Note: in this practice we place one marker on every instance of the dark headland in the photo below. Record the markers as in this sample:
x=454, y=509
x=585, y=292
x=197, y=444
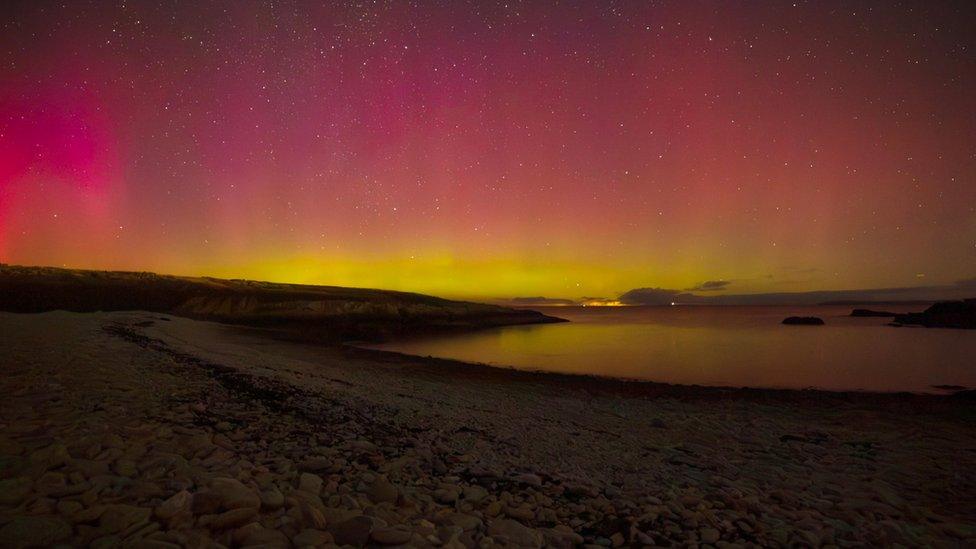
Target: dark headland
x=314, y=313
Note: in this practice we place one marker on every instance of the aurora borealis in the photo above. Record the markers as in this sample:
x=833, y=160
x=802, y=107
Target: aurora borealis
x=476, y=149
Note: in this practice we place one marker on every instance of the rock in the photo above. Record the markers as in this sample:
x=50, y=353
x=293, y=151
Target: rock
x=90, y=514
x=120, y=517
x=68, y=507
x=205, y=503
x=312, y=538
x=946, y=314
x=50, y=483
x=316, y=464
x=241, y=535
x=447, y=493
x=383, y=491
x=870, y=313
x=803, y=321
x=474, y=494
x=522, y=512
x=266, y=538
x=14, y=490
x=391, y=536
x=310, y=483
x=579, y=490
x=34, y=532
x=234, y=495
x=466, y=522
x=125, y=468
x=50, y=457
x=528, y=479
x=233, y=518
x=515, y=533
x=180, y=502
x=272, y=498
x=354, y=531
x=709, y=535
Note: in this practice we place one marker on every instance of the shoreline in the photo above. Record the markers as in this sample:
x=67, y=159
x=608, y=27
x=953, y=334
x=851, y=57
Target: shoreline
x=135, y=428
x=636, y=387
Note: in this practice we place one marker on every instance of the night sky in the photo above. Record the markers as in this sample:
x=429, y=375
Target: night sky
x=476, y=149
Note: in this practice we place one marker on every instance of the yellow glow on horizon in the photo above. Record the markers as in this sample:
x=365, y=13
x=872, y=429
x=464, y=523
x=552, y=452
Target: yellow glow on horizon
x=448, y=275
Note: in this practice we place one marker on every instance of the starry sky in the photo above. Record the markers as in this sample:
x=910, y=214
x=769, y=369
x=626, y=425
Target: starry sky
x=481, y=149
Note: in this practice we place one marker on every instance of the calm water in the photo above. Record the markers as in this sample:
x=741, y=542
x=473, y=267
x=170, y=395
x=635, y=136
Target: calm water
x=731, y=346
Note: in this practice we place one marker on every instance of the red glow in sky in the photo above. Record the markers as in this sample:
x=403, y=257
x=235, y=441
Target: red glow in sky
x=481, y=149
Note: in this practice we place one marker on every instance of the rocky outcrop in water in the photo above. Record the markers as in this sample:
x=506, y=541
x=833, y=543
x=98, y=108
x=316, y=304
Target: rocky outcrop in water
x=947, y=314
x=871, y=313
x=803, y=321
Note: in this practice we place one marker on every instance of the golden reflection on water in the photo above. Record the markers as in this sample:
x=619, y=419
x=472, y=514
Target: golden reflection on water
x=729, y=346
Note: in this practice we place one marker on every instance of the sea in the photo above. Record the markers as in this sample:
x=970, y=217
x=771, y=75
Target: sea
x=731, y=346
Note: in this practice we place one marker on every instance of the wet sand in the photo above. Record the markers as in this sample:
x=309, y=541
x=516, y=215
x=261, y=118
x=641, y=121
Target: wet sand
x=150, y=430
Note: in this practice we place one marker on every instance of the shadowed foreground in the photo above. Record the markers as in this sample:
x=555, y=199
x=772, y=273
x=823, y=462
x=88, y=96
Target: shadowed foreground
x=141, y=429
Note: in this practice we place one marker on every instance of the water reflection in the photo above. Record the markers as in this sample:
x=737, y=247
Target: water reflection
x=734, y=346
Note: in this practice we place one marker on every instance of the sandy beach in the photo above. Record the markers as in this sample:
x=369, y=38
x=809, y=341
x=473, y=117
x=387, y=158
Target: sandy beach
x=151, y=430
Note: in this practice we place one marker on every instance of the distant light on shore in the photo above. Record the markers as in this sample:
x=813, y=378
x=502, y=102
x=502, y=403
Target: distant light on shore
x=601, y=303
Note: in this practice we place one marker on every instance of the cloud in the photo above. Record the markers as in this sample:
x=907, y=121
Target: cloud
x=710, y=286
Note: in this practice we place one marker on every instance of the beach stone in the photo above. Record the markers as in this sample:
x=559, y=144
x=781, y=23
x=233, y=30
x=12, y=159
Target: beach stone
x=316, y=464
x=709, y=535
x=180, y=502
x=515, y=532
x=466, y=522
x=354, y=531
x=233, y=518
x=383, y=491
x=50, y=457
x=50, y=483
x=14, y=490
x=126, y=468
x=264, y=537
x=119, y=517
x=522, y=513
x=68, y=507
x=34, y=532
x=310, y=483
x=234, y=495
x=474, y=494
x=312, y=538
x=391, y=536
x=447, y=493
x=272, y=498
x=206, y=503
x=529, y=479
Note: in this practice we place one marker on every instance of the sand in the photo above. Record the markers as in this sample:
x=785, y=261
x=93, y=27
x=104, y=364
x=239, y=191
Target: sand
x=150, y=430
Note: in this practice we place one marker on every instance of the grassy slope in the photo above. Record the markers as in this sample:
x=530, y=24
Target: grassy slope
x=312, y=312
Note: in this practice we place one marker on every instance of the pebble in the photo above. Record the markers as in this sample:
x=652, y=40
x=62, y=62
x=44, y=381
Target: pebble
x=233, y=494
x=354, y=531
x=391, y=536
x=27, y=531
x=383, y=491
x=515, y=532
x=310, y=483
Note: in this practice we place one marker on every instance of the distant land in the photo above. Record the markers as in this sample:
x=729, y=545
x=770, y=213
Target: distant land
x=299, y=311
x=910, y=295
